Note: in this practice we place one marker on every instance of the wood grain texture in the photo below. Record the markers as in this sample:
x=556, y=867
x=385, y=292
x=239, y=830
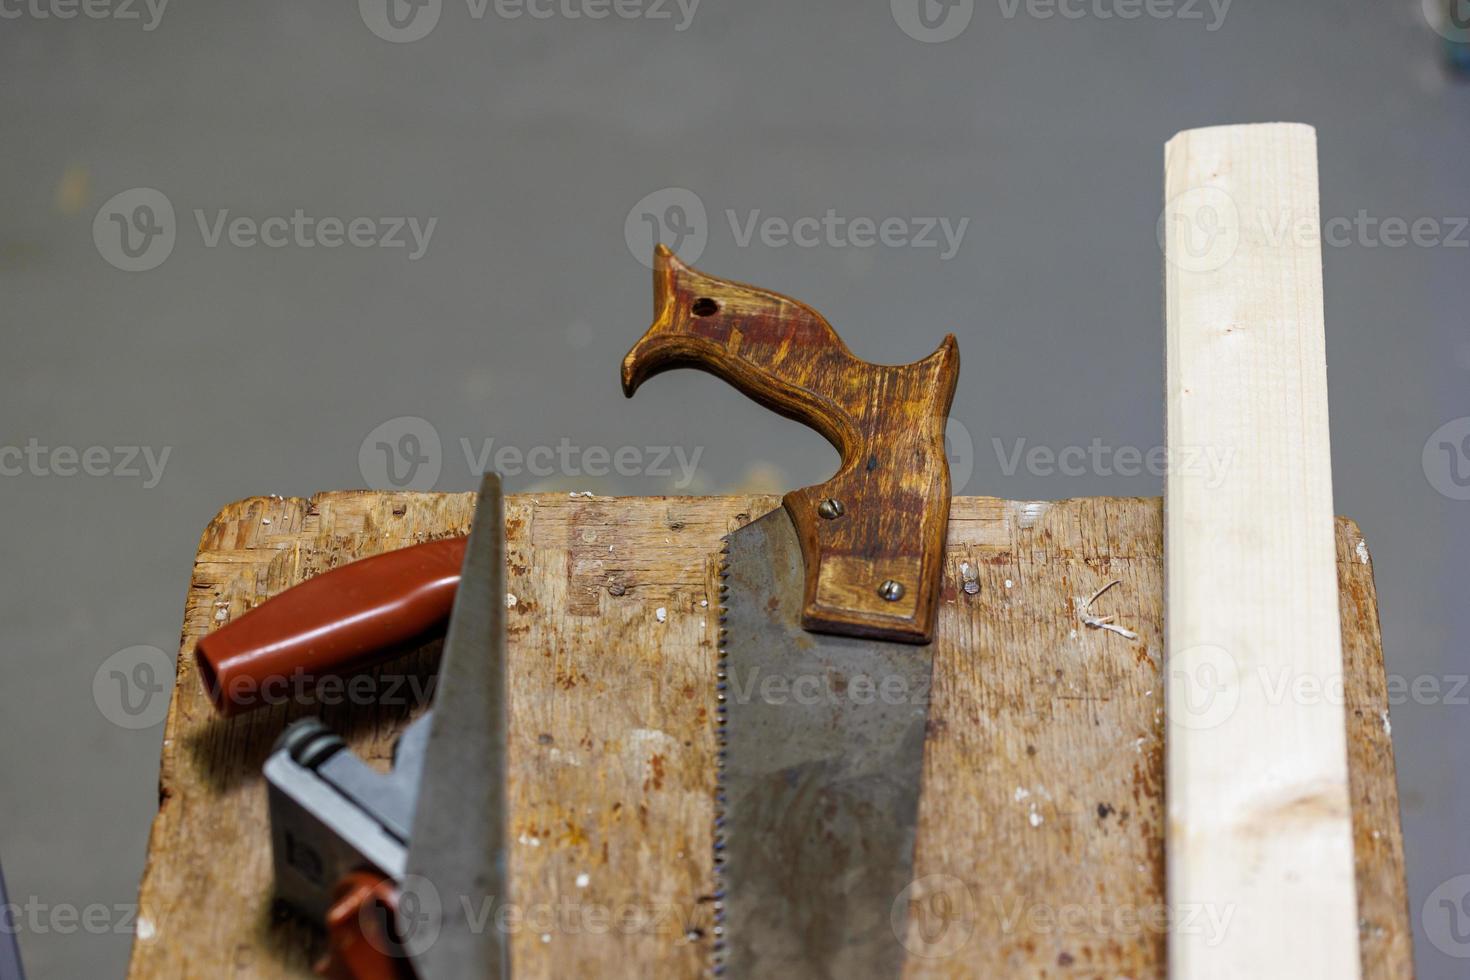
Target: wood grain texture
x=886, y=422
x=1259, y=805
x=1040, y=848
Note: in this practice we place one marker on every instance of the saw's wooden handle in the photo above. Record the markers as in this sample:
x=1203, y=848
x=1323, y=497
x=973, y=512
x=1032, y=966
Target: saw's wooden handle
x=872, y=537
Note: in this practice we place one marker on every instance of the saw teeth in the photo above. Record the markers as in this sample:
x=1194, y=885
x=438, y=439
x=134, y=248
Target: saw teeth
x=722, y=755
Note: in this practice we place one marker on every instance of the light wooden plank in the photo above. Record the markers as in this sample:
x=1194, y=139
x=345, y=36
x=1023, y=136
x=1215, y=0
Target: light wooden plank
x=1040, y=845
x=1259, y=822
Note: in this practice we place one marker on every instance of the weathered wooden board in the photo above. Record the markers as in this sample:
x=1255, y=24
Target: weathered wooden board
x=1041, y=840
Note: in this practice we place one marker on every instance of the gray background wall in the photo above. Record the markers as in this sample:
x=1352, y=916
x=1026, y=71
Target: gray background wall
x=531, y=140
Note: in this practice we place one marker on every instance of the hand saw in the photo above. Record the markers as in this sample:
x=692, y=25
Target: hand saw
x=827, y=603
x=404, y=866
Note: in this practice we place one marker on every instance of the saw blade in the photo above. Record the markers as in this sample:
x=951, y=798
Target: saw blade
x=821, y=743
x=458, y=868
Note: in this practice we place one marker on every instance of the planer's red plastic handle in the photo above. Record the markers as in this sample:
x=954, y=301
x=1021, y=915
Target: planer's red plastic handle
x=338, y=622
